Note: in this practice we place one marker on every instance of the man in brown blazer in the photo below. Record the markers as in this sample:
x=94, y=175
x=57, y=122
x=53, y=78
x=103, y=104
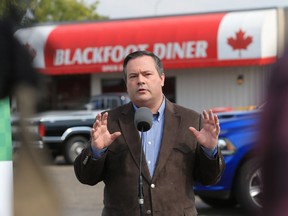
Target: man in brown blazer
x=179, y=149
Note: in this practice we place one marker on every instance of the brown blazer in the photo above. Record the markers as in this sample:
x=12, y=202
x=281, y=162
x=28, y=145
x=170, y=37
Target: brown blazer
x=180, y=162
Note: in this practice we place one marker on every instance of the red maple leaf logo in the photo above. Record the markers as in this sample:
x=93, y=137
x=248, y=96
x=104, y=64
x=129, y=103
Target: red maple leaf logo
x=31, y=50
x=240, y=42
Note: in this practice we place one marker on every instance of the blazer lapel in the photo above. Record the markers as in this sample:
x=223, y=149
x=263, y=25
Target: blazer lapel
x=169, y=136
x=132, y=138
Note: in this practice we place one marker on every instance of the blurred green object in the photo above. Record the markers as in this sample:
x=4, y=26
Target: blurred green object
x=5, y=131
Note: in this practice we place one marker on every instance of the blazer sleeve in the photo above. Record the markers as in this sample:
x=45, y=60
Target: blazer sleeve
x=88, y=170
x=208, y=170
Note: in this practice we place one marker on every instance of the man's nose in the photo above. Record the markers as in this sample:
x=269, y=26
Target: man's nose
x=141, y=79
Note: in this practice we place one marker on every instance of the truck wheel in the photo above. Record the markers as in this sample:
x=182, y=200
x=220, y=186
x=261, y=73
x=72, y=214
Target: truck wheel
x=219, y=203
x=249, y=186
x=74, y=147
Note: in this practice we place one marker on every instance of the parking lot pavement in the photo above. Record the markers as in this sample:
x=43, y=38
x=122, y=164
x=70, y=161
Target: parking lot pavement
x=78, y=199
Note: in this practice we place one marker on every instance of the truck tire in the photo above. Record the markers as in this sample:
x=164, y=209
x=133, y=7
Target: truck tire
x=74, y=147
x=249, y=186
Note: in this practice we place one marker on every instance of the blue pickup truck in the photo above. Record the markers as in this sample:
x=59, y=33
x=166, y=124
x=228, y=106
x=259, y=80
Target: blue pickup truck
x=241, y=182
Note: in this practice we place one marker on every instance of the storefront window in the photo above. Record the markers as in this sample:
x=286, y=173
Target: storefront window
x=69, y=92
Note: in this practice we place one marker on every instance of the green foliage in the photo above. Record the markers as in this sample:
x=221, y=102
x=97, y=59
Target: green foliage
x=49, y=10
x=12, y=8
x=65, y=10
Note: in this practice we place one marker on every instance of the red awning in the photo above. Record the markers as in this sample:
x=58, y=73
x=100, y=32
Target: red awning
x=205, y=40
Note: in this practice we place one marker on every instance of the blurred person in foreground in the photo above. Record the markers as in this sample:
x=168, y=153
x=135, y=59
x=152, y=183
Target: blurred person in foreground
x=273, y=142
x=33, y=192
x=180, y=148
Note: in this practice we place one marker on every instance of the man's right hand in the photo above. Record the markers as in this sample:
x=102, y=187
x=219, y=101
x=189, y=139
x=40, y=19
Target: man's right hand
x=100, y=136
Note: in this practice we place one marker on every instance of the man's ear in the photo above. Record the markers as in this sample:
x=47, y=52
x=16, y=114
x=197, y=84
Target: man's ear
x=163, y=79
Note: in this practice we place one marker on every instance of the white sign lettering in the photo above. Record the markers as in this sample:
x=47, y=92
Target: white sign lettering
x=185, y=50
x=116, y=54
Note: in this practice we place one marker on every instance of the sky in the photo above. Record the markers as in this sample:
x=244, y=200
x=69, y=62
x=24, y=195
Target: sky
x=119, y=9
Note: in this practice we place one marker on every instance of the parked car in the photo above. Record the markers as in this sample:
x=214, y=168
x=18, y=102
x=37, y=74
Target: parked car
x=241, y=182
x=107, y=101
x=65, y=132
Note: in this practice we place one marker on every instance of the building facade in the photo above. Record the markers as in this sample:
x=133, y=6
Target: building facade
x=210, y=60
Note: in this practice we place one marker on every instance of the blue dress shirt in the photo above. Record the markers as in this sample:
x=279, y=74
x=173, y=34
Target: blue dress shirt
x=152, y=139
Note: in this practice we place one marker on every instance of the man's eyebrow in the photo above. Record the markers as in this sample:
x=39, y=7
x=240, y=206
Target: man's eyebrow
x=146, y=71
x=133, y=73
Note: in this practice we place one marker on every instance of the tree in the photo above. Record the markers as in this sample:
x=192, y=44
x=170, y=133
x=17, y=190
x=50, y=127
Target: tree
x=13, y=9
x=23, y=12
x=65, y=10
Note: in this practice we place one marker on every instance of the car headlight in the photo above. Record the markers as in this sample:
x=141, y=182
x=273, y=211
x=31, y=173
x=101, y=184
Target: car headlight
x=226, y=147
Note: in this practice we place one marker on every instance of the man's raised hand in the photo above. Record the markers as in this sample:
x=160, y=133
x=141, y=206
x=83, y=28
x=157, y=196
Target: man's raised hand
x=208, y=135
x=100, y=136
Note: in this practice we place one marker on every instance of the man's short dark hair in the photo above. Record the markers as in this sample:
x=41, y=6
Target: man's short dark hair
x=136, y=54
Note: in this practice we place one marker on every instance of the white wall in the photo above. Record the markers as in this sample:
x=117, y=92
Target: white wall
x=206, y=88
x=200, y=89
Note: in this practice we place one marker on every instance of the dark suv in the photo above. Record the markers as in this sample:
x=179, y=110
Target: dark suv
x=68, y=132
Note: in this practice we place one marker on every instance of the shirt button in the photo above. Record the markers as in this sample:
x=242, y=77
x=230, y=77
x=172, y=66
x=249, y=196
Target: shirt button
x=149, y=212
x=149, y=142
x=149, y=162
x=152, y=185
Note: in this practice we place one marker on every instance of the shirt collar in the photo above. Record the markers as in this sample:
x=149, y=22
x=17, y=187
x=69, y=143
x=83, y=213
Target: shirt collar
x=160, y=111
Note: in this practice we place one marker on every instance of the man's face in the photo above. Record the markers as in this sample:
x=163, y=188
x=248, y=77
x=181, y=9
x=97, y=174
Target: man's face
x=144, y=85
